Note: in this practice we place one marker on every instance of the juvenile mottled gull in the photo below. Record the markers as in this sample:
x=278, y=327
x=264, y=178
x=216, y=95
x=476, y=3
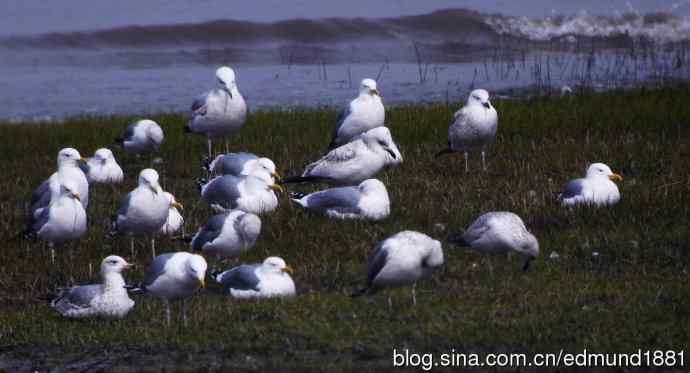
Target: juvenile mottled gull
x=254, y=194
x=238, y=164
x=474, y=127
x=362, y=114
x=174, y=276
x=266, y=280
x=401, y=260
x=219, y=112
x=108, y=299
x=369, y=200
x=68, y=168
x=142, y=136
x=354, y=162
x=175, y=220
x=596, y=188
x=499, y=232
x=227, y=235
x=103, y=169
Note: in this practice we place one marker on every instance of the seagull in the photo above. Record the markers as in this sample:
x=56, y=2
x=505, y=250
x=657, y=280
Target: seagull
x=175, y=219
x=364, y=113
x=174, y=276
x=219, y=112
x=107, y=300
x=474, y=127
x=354, y=162
x=239, y=164
x=142, y=136
x=68, y=168
x=596, y=188
x=254, y=194
x=369, y=200
x=144, y=210
x=401, y=260
x=269, y=279
x=499, y=232
x=227, y=235
x=103, y=169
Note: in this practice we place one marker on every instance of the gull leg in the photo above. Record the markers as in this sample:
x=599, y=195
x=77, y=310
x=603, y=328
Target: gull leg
x=414, y=294
x=167, y=313
x=227, y=145
x=131, y=247
x=210, y=148
x=467, y=166
x=390, y=303
x=484, y=160
x=184, y=313
x=153, y=247
x=52, y=252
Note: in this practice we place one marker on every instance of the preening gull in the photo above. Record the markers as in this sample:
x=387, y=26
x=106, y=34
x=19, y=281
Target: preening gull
x=243, y=163
x=175, y=220
x=254, y=194
x=256, y=281
x=401, y=260
x=68, y=168
x=219, y=112
x=362, y=114
x=369, y=200
x=499, y=232
x=474, y=127
x=354, y=162
x=596, y=188
x=103, y=169
x=174, y=276
x=142, y=136
x=227, y=235
x=108, y=299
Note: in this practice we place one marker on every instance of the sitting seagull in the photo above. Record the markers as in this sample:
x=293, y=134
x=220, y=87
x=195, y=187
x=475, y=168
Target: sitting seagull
x=219, y=112
x=401, y=260
x=354, y=162
x=254, y=193
x=175, y=219
x=257, y=281
x=107, y=300
x=474, y=127
x=103, y=169
x=499, y=232
x=596, y=188
x=227, y=235
x=362, y=114
x=142, y=136
x=68, y=168
x=238, y=164
x=174, y=276
x=369, y=200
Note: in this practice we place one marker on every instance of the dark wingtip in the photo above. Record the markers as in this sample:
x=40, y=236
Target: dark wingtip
x=298, y=179
x=200, y=182
x=297, y=195
x=458, y=239
x=525, y=266
x=187, y=129
x=120, y=140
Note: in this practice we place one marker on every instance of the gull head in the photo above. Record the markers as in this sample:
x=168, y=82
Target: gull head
x=103, y=155
x=372, y=186
x=225, y=77
x=479, y=97
x=602, y=170
x=196, y=269
x=380, y=139
x=70, y=189
x=529, y=246
x=274, y=264
x=262, y=166
x=149, y=178
x=69, y=156
x=173, y=202
x=368, y=87
x=114, y=264
x=434, y=259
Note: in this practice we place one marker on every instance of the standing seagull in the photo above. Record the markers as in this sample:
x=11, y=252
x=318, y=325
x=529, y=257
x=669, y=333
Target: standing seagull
x=269, y=279
x=219, y=112
x=401, y=260
x=142, y=136
x=144, y=210
x=174, y=276
x=108, y=299
x=474, y=127
x=369, y=200
x=227, y=235
x=499, y=232
x=175, y=220
x=68, y=168
x=597, y=188
x=362, y=114
x=354, y=162
x=102, y=168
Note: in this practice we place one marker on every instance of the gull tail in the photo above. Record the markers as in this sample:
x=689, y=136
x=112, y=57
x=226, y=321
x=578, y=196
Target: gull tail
x=296, y=196
x=299, y=179
x=458, y=239
x=187, y=129
x=135, y=289
x=525, y=267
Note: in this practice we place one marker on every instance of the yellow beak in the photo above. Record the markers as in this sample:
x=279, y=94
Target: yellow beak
x=288, y=269
x=77, y=196
x=202, y=282
x=277, y=188
x=276, y=175
x=375, y=92
x=615, y=177
x=178, y=206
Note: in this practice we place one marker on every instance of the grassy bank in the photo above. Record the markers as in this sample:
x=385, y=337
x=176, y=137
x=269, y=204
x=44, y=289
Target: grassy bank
x=634, y=294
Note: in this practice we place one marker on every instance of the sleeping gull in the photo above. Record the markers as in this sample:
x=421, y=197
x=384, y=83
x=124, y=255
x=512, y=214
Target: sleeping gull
x=174, y=276
x=474, y=127
x=253, y=194
x=144, y=210
x=142, y=136
x=269, y=279
x=227, y=235
x=596, y=188
x=238, y=164
x=175, y=220
x=68, y=168
x=108, y=299
x=362, y=114
x=401, y=260
x=354, y=162
x=219, y=112
x=103, y=169
x=499, y=232
x=369, y=200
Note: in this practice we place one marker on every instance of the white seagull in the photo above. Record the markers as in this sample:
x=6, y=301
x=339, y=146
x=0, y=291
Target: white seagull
x=254, y=194
x=142, y=136
x=596, y=188
x=354, y=162
x=68, y=169
x=269, y=279
x=219, y=112
x=362, y=114
x=242, y=164
x=102, y=168
x=369, y=201
x=108, y=299
x=402, y=260
x=474, y=127
x=175, y=220
x=227, y=235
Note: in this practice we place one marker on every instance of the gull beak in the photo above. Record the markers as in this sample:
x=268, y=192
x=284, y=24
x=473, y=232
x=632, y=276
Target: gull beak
x=76, y=196
x=202, y=282
x=486, y=104
x=277, y=188
x=615, y=177
x=375, y=92
x=154, y=189
x=288, y=269
x=276, y=175
x=178, y=206
x=129, y=265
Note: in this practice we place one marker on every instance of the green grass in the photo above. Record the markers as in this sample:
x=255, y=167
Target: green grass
x=635, y=294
